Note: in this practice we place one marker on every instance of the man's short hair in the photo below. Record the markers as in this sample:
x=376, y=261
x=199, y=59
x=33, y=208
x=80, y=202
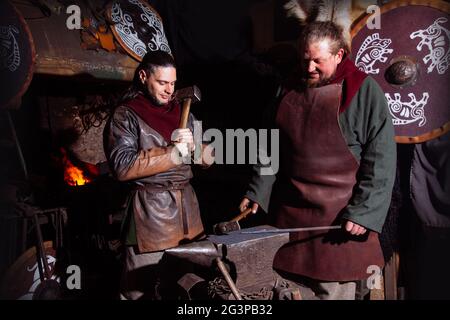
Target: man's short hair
x=155, y=59
x=319, y=30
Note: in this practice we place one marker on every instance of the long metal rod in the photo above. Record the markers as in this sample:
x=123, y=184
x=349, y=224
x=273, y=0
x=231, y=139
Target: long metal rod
x=291, y=230
x=42, y=256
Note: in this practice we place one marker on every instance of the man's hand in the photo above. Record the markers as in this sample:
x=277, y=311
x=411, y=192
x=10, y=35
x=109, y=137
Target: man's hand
x=354, y=229
x=245, y=203
x=183, y=141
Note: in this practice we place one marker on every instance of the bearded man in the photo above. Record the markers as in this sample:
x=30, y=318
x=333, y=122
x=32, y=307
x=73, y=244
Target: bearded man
x=337, y=167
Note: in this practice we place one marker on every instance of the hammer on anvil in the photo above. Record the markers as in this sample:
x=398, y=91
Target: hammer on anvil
x=187, y=96
x=232, y=225
x=204, y=253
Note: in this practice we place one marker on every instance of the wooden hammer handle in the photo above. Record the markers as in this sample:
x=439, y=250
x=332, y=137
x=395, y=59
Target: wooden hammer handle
x=228, y=279
x=242, y=215
x=185, y=112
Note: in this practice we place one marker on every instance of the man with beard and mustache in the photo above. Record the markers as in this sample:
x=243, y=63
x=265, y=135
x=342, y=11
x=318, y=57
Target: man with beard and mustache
x=143, y=145
x=337, y=167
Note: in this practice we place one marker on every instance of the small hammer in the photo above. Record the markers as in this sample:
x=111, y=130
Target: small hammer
x=232, y=225
x=187, y=96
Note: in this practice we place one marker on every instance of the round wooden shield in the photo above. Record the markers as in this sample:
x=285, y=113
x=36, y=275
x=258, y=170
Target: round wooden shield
x=22, y=279
x=137, y=27
x=17, y=55
x=408, y=54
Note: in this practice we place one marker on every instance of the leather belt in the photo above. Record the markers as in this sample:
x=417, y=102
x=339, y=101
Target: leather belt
x=155, y=188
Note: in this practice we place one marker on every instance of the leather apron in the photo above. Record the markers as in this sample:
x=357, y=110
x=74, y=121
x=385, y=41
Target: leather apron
x=166, y=215
x=317, y=178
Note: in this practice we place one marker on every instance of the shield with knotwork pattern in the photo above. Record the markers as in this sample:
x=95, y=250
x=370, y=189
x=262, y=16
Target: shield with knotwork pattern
x=137, y=27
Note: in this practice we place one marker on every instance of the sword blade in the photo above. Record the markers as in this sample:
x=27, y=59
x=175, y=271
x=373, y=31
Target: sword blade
x=291, y=230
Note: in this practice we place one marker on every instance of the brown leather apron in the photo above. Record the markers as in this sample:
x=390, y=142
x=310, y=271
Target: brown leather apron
x=317, y=178
x=170, y=218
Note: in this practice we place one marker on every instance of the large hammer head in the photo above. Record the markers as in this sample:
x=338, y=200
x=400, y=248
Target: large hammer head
x=190, y=92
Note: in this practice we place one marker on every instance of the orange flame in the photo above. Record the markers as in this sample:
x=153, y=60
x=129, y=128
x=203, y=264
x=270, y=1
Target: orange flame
x=73, y=176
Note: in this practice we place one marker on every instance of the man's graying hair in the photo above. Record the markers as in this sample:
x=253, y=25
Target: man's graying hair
x=149, y=63
x=319, y=30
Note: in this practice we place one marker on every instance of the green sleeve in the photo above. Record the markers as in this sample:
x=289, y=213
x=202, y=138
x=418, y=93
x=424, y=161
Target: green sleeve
x=368, y=129
x=260, y=187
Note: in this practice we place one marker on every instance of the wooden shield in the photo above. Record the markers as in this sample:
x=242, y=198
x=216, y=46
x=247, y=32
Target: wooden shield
x=409, y=56
x=22, y=279
x=137, y=27
x=17, y=56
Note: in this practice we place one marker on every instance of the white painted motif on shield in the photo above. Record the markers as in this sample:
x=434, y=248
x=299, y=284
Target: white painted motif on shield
x=437, y=39
x=372, y=50
x=9, y=48
x=406, y=112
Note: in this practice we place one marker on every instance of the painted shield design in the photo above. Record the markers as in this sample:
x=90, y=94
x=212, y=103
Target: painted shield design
x=22, y=279
x=137, y=27
x=409, y=56
x=17, y=56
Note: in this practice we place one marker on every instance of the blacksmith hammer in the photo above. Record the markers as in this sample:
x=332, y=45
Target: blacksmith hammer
x=232, y=225
x=187, y=96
